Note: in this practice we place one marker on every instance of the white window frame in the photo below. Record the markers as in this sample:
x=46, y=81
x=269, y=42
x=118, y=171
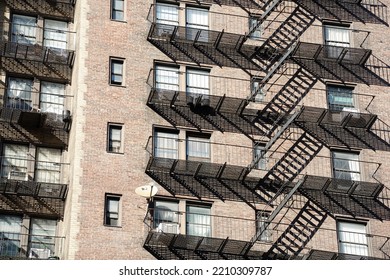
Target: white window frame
x=115, y=146
x=352, y=238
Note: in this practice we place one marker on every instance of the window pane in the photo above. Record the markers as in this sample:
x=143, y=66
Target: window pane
x=10, y=227
x=198, y=147
x=167, y=78
x=166, y=144
x=42, y=241
x=112, y=210
x=115, y=139
x=198, y=220
x=198, y=81
x=14, y=162
x=340, y=98
x=352, y=238
x=24, y=29
x=167, y=14
x=48, y=165
x=346, y=166
x=116, y=72
x=52, y=97
x=19, y=92
x=166, y=212
x=55, y=34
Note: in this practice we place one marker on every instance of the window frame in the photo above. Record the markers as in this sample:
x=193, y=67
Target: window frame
x=107, y=220
x=261, y=218
x=262, y=163
x=334, y=89
x=118, y=61
x=157, y=130
x=113, y=10
x=206, y=136
x=357, y=244
x=352, y=173
x=110, y=147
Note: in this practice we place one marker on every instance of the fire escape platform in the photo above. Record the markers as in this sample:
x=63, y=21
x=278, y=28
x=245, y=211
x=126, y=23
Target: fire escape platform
x=345, y=10
x=338, y=63
x=42, y=62
x=347, y=129
x=63, y=9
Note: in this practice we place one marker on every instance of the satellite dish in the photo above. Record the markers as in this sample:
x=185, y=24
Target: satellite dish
x=146, y=191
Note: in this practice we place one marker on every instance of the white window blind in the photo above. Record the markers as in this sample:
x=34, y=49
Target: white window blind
x=167, y=78
x=14, y=162
x=24, y=29
x=42, y=238
x=167, y=14
x=352, y=238
x=336, y=38
x=19, y=93
x=55, y=34
x=48, y=165
x=166, y=212
x=166, y=144
x=346, y=166
x=197, y=81
x=198, y=148
x=198, y=220
x=197, y=19
x=52, y=97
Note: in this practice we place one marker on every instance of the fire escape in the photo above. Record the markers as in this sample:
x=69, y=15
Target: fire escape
x=34, y=185
x=282, y=120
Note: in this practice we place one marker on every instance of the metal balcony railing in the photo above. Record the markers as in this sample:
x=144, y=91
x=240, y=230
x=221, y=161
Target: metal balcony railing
x=28, y=246
x=23, y=176
x=162, y=221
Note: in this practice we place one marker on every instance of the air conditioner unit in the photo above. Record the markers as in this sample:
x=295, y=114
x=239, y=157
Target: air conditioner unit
x=168, y=228
x=36, y=253
x=17, y=175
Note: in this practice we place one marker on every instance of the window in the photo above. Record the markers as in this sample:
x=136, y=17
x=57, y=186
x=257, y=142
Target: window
x=352, y=238
x=255, y=89
x=167, y=77
x=10, y=227
x=198, y=147
x=55, y=34
x=115, y=138
x=42, y=238
x=198, y=220
x=261, y=218
x=336, y=38
x=255, y=28
x=52, y=98
x=24, y=29
x=340, y=98
x=116, y=71
x=166, y=216
x=197, y=19
x=112, y=210
x=14, y=162
x=48, y=165
x=258, y=149
x=19, y=93
x=117, y=9
x=346, y=166
x=167, y=14
x=166, y=143
x=198, y=87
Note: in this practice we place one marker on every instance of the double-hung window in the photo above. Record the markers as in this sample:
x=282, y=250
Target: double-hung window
x=166, y=144
x=14, y=164
x=198, y=86
x=340, y=98
x=112, y=216
x=352, y=238
x=261, y=219
x=167, y=78
x=10, y=227
x=117, y=10
x=346, y=166
x=167, y=17
x=55, y=34
x=24, y=29
x=197, y=19
x=48, y=165
x=51, y=99
x=115, y=141
x=255, y=28
x=116, y=71
x=42, y=238
x=259, y=156
x=198, y=147
x=166, y=216
x=19, y=93
x=198, y=220
x=336, y=39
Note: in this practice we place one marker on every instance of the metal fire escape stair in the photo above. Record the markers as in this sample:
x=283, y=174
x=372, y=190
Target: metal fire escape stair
x=300, y=231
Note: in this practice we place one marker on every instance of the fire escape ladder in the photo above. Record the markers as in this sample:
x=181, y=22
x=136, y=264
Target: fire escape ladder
x=281, y=44
x=299, y=233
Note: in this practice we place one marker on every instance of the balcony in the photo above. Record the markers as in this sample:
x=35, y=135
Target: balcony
x=63, y=9
x=30, y=246
x=33, y=186
x=222, y=237
x=23, y=52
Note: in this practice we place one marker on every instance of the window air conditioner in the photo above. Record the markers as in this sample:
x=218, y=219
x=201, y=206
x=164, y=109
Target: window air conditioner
x=36, y=253
x=168, y=228
x=17, y=175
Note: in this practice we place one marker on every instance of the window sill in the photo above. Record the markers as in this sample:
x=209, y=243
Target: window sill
x=115, y=153
x=109, y=226
x=115, y=85
x=118, y=20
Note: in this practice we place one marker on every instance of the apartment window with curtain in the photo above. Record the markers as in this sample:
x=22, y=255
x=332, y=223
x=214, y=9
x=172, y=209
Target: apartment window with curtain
x=352, y=238
x=48, y=165
x=166, y=217
x=166, y=78
x=24, y=29
x=112, y=213
x=336, y=38
x=258, y=149
x=198, y=147
x=166, y=143
x=346, y=166
x=198, y=220
x=19, y=93
x=52, y=97
x=254, y=27
x=167, y=17
x=197, y=19
x=14, y=162
x=115, y=138
x=117, y=71
x=42, y=238
x=340, y=98
x=118, y=10
x=55, y=34
x=198, y=86
x=10, y=227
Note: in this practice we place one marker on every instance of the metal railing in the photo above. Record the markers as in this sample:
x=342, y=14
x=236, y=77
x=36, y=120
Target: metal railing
x=236, y=228
x=28, y=246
